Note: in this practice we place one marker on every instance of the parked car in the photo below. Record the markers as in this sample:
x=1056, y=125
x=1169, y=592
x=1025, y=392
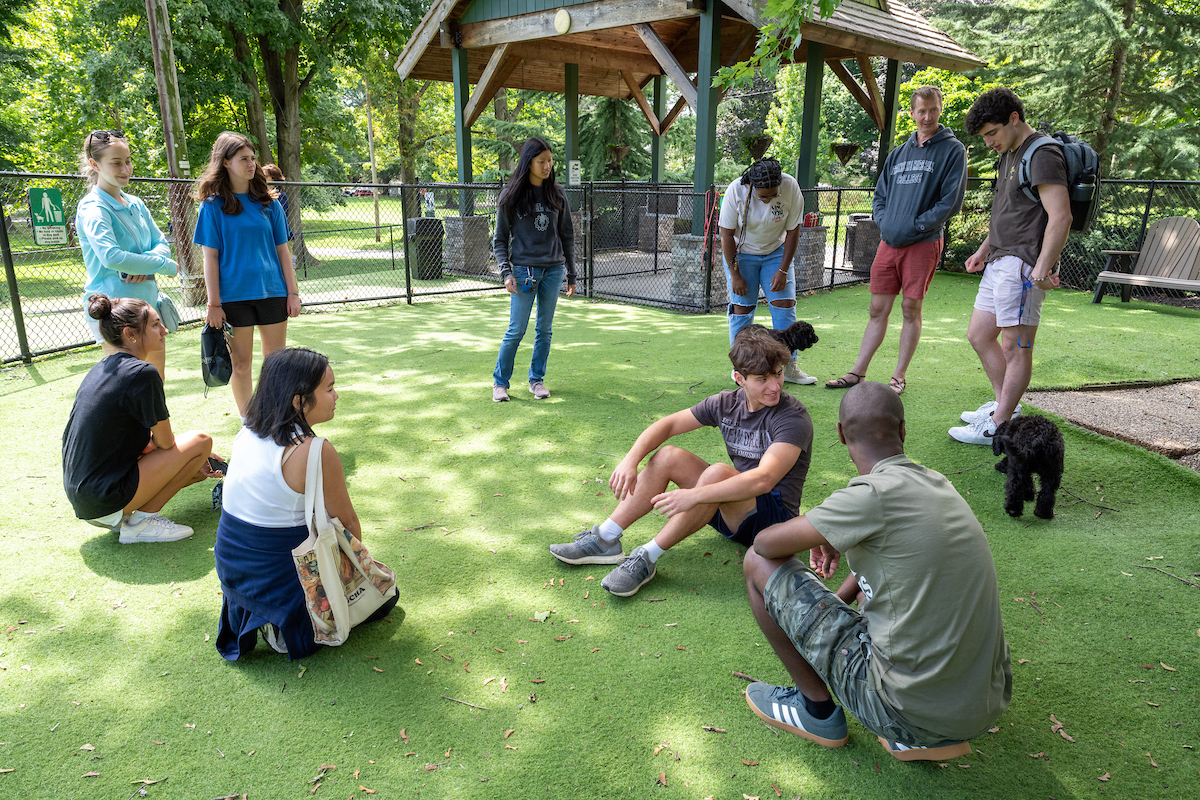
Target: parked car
x=347, y=191
x=364, y=192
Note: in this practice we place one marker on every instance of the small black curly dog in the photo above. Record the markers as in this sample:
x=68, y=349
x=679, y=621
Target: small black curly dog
x=1029, y=445
x=797, y=336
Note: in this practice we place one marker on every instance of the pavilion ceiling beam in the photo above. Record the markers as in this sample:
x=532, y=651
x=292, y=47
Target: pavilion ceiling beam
x=868, y=76
x=666, y=59
x=671, y=116
x=556, y=52
x=858, y=92
x=596, y=16
x=643, y=104
x=499, y=67
x=746, y=10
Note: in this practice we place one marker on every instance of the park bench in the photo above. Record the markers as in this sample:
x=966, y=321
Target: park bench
x=1169, y=259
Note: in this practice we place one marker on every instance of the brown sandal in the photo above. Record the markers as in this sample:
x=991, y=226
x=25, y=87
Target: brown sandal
x=897, y=385
x=842, y=383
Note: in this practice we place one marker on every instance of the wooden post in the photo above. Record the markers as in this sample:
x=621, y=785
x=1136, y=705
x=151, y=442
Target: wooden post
x=658, y=155
x=891, y=97
x=708, y=60
x=462, y=133
x=179, y=197
x=810, y=123
x=371, y=150
x=571, y=114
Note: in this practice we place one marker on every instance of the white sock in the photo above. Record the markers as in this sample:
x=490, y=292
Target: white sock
x=137, y=516
x=610, y=531
x=653, y=551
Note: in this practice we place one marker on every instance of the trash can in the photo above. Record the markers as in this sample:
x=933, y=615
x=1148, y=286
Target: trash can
x=425, y=245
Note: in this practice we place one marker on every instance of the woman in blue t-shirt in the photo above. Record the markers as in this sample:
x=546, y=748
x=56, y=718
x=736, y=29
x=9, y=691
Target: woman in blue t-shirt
x=122, y=247
x=243, y=232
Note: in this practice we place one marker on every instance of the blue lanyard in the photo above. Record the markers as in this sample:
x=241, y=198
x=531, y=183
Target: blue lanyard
x=1026, y=285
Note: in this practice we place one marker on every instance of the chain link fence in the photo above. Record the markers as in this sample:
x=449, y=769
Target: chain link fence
x=390, y=243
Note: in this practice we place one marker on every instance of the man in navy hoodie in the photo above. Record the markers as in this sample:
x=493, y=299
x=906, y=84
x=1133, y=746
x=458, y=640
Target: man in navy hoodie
x=920, y=187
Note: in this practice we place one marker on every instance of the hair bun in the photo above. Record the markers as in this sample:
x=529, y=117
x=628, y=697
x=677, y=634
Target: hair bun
x=99, y=306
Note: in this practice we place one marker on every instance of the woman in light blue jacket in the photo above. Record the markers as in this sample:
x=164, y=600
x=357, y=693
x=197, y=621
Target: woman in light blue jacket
x=122, y=247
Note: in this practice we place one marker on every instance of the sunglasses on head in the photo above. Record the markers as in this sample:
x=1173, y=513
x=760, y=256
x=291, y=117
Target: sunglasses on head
x=104, y=137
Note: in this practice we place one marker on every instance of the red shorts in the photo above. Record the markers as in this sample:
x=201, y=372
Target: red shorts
x=908, y=270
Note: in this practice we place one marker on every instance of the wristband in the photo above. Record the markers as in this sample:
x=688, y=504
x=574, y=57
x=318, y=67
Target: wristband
x=293, y=294
x=214, y=305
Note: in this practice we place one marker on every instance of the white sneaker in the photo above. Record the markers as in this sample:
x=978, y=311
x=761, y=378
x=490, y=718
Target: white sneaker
x=793, y=374
x=154, y=528
x=980, y=431
x=986, y=410
x=274, y=638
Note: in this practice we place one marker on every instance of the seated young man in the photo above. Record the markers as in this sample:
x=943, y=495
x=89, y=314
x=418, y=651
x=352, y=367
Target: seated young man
x=923, y=662
x=768, y=435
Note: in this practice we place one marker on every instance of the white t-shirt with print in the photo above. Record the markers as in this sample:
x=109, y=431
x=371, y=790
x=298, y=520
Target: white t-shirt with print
x=766, y=224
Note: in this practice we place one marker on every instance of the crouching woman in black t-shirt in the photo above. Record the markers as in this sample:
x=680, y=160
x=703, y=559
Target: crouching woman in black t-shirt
x=121, y=462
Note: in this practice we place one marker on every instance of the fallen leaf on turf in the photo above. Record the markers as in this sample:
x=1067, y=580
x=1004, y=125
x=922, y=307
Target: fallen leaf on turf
x=88, y=747
x=466, y=667
x=994, y=730
x=539, y=679
x=206, y=637
x=303, y=669
x=509, y=732
x=419, y=662
x=750, y=763
x=448, y=658
x=149, y=781
x=1147, y=702
x=1146, y=666
x=1103, y=777
x=662, y=778
x=97, y=774
x=188, y=725
x=10, y=769
x=489, y=680
x=355, y=776
x=749, y=797
x=778, y=791
x=1038, y=755
x=586, y=594
x=1137, y=681
x=509, y=747
x=1023, y=661
x=877, y=769
x=714, y=730
x=1151, y=760
x=563, y=638
x=377, y=669
x=430, y=767
x=680, y=647
x=365, y=789
x=503, y=685
x=522, y=641
x=413, y=753
x=572, y=620
x=1164, y=666
x=942, y=764
x=448, y=749
x=593, y=577
x=498, y=650
x=158, y=742
x=659, y=749
x=964, y=766
x=404, y=735
x=594, y=649
x=539, y=616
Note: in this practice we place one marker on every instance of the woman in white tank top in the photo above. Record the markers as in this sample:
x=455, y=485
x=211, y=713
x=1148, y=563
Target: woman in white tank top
x=262, y=517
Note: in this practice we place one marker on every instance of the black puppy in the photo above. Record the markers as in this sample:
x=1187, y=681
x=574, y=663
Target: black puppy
x=797, y=336
x=1029, y=445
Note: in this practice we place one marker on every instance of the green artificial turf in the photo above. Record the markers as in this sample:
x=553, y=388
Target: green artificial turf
x=108, y=646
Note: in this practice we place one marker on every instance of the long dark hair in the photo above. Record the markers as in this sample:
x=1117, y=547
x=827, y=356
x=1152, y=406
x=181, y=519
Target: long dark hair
x=517, y=194
x=286, y=374
x=215, y=180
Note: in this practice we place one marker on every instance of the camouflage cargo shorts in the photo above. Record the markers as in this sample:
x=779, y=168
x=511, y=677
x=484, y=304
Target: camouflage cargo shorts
x=832, y=637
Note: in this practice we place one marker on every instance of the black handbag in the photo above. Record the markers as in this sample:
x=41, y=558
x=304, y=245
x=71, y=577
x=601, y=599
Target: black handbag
x=215, y=363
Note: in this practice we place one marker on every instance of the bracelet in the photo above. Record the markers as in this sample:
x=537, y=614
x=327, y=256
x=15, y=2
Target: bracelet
x=783, y=270
x=293, y=294
x=214, y=305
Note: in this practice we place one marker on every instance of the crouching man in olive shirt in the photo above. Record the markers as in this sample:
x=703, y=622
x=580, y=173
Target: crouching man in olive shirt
x=922, y=663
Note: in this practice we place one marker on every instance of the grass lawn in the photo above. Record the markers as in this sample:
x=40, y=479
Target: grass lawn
x=108, y=665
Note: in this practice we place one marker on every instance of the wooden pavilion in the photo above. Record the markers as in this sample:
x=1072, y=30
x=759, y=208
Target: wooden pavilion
x=615, y=48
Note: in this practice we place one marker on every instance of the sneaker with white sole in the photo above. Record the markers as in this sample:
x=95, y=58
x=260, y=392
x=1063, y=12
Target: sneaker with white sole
x=986, y=410
x=980, y=431
x=793, y=374
x=538, y=390
x=783, y=707
x=154, y=528
x=634, y=573
x=274, y=638
x=499, y=394
x=589, y=548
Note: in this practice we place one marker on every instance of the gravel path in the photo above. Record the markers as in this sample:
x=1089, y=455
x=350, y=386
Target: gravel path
x=1164, y=419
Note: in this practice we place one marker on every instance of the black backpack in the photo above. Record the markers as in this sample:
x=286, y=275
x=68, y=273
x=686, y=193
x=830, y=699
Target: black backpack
x=215, y=363
x=1083, y=176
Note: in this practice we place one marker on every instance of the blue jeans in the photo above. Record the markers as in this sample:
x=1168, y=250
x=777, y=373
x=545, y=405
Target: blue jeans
x=549, y=281
x=758, y=271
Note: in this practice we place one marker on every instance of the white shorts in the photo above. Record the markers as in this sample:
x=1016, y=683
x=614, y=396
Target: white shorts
x=1008, y=293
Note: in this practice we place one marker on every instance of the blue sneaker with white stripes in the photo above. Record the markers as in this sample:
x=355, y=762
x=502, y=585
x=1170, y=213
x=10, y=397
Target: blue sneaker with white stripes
x=783, y=707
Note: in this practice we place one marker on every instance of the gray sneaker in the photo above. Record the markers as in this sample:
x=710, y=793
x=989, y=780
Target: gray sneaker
x=793, y=374
x=634, y=573
x=589, y=548
x=539, y=390
x=154, y=528
x=499, y=394
x=783, y=707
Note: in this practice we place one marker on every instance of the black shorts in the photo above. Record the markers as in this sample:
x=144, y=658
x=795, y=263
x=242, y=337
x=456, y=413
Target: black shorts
x=248, y=313
x=770, y=511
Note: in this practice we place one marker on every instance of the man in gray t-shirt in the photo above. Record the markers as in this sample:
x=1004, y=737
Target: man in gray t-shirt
x=768, y=436
x=922, y=663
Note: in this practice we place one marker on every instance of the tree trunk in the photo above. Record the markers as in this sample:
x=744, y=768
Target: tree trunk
x=256, y=119
x=282, y=71
x=1112, y=95
x=504, y=114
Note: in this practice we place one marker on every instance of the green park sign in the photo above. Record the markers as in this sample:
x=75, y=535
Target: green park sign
x=49, y=221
